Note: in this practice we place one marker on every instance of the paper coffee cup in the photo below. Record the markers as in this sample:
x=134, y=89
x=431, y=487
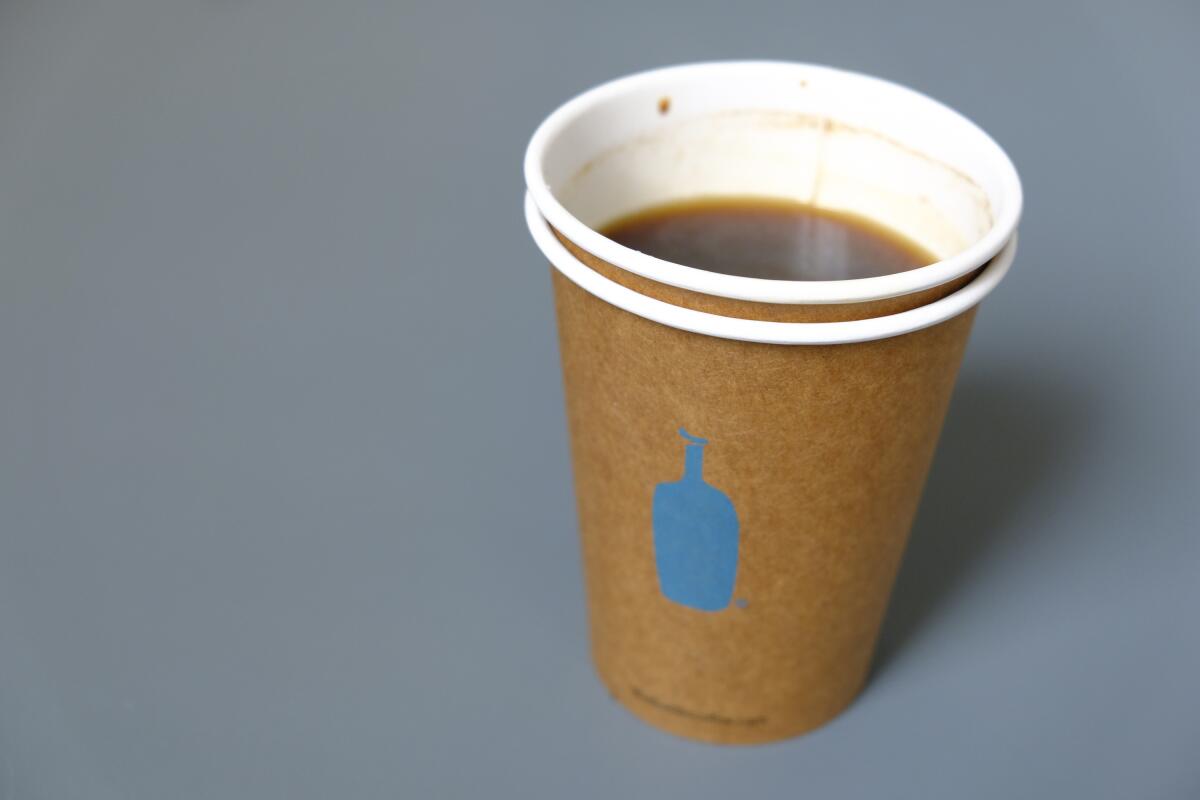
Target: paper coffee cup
x=749, y=453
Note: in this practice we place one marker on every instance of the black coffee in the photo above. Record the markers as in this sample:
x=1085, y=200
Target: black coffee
x=767, y=238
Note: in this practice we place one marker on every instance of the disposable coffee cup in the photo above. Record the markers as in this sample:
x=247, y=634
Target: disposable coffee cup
x=749, y=454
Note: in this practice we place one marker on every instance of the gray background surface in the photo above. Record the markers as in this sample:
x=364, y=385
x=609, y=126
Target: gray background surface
x=285, y=507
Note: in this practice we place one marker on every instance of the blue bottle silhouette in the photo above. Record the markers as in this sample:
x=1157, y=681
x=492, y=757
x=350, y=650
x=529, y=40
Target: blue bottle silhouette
x=695, y=536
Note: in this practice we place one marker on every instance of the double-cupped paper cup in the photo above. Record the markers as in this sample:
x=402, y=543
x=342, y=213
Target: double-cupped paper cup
x=749, y=454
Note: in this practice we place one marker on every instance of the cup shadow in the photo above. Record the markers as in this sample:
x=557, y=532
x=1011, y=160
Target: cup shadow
x=1005, y=435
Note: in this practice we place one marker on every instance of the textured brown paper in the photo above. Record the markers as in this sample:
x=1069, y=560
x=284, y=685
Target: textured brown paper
x=822, y=452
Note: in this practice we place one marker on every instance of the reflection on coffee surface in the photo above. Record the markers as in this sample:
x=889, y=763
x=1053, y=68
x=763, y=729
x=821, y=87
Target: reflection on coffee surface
x=756, y=237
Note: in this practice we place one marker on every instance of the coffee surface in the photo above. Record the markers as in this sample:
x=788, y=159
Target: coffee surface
x=767, y=238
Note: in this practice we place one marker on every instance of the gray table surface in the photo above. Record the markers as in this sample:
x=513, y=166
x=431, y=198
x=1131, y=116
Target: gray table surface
x=285, y=507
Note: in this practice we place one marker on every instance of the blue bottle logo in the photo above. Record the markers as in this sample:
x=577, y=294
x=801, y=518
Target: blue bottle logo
x=695, y=536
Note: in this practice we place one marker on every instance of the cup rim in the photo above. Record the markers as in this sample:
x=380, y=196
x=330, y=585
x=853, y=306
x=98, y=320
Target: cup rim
x=761, y=289
x=747, y=330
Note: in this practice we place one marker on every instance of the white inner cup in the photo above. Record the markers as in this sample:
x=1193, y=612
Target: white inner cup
x=833, y=139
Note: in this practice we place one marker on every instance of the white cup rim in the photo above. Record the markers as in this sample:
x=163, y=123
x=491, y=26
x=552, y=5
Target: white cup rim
x=760, y=289
x=746, y=330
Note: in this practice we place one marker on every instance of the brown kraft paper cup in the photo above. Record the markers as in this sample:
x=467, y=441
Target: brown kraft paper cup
x=747, y=468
